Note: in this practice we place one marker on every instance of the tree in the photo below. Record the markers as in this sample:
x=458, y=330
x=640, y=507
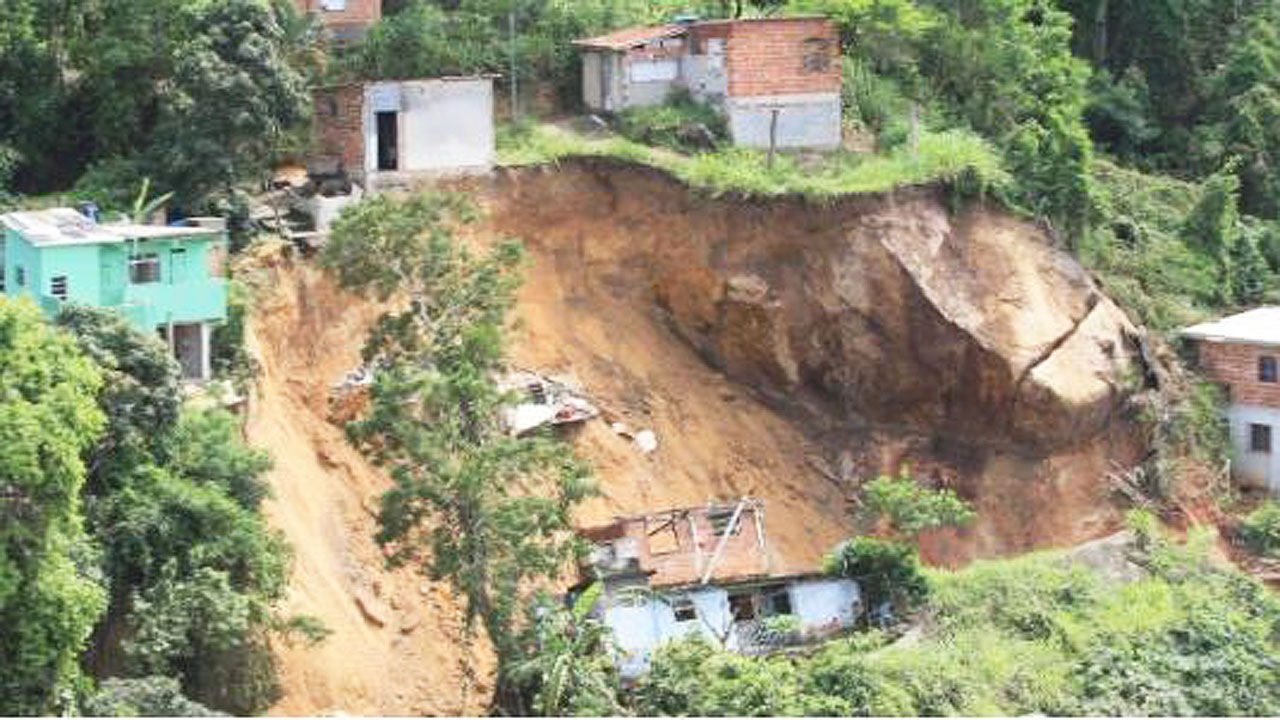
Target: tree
x=48, y=603
x=566, y=666
x=151, y=696
x=486, y=511
x=904, y=509
x=886, y=572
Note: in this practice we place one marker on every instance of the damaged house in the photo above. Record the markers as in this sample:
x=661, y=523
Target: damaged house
x=344, y=21
x=774, y=79
x=164, y=279
x=386, y=132
x=707, y=570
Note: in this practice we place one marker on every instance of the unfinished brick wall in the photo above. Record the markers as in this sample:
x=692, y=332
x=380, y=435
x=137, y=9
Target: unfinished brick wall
x=782, y=56
x=1236, y=365
x=337, y=125
x=355, y=14
x=668, y=552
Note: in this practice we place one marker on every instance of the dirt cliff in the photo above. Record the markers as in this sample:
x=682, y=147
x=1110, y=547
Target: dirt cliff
x=779, y=348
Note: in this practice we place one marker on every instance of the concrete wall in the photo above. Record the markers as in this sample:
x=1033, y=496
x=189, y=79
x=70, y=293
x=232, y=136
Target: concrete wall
x=444, y=125
x=804, y=121
x=824, y=604
x=1260, y=470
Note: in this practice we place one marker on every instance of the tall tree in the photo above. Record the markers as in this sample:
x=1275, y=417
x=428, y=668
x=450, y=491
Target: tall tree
x=472, y=505
x=48, y=417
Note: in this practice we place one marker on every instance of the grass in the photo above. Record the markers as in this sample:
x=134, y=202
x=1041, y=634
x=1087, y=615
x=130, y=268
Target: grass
x=955, y=158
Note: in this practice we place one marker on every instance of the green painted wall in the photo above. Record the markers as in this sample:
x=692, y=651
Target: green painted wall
x=185, y=292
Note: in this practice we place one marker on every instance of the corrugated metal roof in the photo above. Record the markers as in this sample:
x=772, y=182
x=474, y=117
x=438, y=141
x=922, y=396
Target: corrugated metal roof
x=632, y=37
x=1259, y=326
x=64, y=226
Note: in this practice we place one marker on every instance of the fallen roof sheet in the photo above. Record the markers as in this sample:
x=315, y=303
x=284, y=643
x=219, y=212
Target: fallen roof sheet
x=632, y=37
x=1260, y=326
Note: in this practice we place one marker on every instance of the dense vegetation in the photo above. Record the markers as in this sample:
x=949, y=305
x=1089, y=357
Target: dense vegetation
x=131, y=526
x=472, y=505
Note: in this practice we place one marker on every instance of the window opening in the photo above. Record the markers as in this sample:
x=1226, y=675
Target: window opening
x=684, y=610
x=1259, y=438
x=1267, y=369
x=144, y=268
x=58, y=286
x=742, y=607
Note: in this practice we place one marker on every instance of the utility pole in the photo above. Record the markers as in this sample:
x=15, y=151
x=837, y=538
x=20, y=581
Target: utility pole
x=511, y=29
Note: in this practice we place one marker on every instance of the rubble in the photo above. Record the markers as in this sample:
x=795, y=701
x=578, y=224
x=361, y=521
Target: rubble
x=544, y=402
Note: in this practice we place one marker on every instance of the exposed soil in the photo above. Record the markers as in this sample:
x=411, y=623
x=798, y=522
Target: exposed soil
x=779, y=350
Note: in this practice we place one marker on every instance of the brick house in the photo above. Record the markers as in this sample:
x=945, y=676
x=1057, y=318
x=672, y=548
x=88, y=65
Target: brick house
x=343, y=20
x=1241, y=352
x=771, y=77
x=707, y=570
x=380, y=133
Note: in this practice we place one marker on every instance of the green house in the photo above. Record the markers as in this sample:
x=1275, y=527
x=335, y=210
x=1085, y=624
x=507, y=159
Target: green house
x=168, y=280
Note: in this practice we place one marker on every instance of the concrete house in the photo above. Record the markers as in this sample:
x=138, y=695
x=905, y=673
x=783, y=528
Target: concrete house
x=343, y=20
x=1241, y=352
x=706, y=570
x=776, y=77
x=167, y=280
x=385, y=132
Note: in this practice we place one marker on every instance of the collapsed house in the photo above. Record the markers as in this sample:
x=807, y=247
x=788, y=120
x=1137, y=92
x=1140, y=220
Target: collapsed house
x=542, y=401
x=776, y=80
x=672, y=574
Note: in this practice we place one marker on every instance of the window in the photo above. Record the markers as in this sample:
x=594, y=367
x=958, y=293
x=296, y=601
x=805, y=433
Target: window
x=177, y=266
x=742, y=607
x=20, y=276
x=1259, y=438
x=1267, y=369
x=58, y=286
x=144, y=268
x=720, y=522
x=777, y=600
x=817, y=55
x=684, y=610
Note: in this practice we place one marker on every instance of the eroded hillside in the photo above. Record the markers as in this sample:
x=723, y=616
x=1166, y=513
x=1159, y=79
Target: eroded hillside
x=778, y=349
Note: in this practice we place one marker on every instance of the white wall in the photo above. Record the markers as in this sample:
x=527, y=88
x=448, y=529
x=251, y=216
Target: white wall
x=823, y=603
x=1258, y=469
x=804, y=121
x=444, y=125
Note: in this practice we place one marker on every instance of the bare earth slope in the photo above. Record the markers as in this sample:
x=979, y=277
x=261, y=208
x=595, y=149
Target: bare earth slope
x=776, y=348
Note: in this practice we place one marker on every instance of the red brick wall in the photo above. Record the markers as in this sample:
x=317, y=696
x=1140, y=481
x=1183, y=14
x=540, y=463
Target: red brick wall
x=1236, y=365
x=358, y=13
x=337, y=125
x=781, y=56
x=741, y=556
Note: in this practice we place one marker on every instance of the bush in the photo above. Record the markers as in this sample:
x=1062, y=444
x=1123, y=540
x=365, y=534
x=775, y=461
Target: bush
x=1260, y=529
x=681, y=124
x=151, y=696
x=885, y=571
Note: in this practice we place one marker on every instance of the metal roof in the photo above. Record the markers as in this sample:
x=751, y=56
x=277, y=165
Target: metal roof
x=1260, y=326
x=64, y=226
x=632, y=37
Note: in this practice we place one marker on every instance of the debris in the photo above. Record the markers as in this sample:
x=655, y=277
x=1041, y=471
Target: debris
x=410, y=621
x=371, y=607
x=546, y=402
x=623, y=430
x=646, y=441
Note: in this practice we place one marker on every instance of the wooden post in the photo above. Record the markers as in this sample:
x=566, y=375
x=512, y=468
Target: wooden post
x=773, y=135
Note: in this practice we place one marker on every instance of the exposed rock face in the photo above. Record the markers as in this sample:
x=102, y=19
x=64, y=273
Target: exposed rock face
x=892, y=308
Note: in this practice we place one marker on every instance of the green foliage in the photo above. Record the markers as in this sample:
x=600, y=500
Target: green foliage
x=886, y=571
x=909, y=509
x=194, y=572
x=207, y=447
x=152, y=696
x=1038, y=635
x=472, y=505
x=681, y=124
x=959, y=159
x=195, y=95
x=566, y=667
x=1260, y=529
x=48, y=600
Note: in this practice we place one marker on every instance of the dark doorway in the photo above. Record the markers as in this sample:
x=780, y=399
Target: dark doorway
x=387, y=140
